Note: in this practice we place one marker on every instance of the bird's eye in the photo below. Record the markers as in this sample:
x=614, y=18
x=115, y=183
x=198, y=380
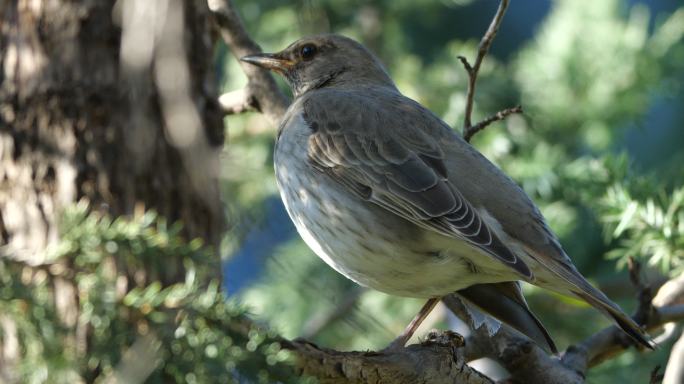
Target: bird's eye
x=308, y=51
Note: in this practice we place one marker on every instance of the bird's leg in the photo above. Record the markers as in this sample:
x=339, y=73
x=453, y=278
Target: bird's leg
x=401, y=340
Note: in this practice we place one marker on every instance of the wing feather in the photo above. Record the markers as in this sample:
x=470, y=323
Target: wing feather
x=403, y=173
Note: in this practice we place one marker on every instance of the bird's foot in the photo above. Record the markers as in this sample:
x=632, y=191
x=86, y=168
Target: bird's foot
x=399, y=343
x=445, y=338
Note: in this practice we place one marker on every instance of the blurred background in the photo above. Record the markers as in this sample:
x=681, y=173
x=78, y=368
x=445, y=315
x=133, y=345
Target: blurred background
x=121, y=180
x=599, y=148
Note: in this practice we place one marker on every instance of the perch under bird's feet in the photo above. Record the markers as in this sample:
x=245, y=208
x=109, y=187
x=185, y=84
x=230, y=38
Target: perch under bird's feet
x=446, y=338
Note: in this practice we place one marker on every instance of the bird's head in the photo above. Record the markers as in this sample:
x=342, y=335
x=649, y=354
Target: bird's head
x=322, y=61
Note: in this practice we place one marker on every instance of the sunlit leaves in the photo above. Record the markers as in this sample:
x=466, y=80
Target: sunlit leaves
x=651, y=229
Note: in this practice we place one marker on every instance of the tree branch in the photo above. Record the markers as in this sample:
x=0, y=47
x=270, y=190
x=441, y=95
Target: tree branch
x=470, y=130
x=238, y=101
x=261, y=86
x=469, y=133
x=436, y=360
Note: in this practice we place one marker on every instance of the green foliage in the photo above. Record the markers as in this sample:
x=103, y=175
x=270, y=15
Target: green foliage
x=651, y=228
x=127, y=299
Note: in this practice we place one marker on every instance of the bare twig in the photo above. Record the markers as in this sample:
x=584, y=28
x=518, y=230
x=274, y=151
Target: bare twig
x=482, y=50
x=268, y=98
x=611, y=341
x=470, y=130
x=469, y=133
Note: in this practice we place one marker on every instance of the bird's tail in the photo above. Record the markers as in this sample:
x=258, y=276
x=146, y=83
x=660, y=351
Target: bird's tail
x=505, y=302
x=576, y=284
x=599, y=301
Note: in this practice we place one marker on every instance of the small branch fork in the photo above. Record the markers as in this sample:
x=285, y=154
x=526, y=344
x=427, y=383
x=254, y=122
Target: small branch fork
x=469, y=130
x=261, y=93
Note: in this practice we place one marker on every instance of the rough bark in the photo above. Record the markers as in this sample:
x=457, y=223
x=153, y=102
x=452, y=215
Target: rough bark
x=112, y=104
x=69, y=129
x=436, y=360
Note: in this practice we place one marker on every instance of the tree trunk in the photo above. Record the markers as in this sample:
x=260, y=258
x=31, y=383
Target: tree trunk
x=98, y=101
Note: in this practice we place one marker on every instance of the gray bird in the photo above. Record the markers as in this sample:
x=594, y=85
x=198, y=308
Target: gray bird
x=391, y=197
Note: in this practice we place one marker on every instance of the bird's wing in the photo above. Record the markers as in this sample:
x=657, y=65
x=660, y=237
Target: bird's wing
x=386, y=150
x=390, y=150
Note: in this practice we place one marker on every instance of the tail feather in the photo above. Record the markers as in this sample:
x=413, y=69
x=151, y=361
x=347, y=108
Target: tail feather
x=505, y=302
x=576, y=284
x=599, y=301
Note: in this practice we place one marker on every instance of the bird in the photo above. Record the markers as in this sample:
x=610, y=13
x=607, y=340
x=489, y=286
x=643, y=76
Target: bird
x=390, y=196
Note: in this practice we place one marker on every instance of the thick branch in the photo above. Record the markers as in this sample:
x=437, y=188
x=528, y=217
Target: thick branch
x=435, y=361
x=261, y=86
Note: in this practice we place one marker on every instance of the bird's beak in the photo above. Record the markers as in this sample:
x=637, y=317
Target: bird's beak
x=272, y=61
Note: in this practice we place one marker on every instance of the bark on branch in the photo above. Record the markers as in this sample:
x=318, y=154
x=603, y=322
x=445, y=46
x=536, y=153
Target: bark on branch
x=262, y=92
x=469, y=130
x=437, y=360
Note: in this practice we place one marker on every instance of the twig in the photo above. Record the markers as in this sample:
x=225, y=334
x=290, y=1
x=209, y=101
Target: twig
x=644, y=292
x=470, y=130
x=656, y=376
x=469, y=133
x=268, y=98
